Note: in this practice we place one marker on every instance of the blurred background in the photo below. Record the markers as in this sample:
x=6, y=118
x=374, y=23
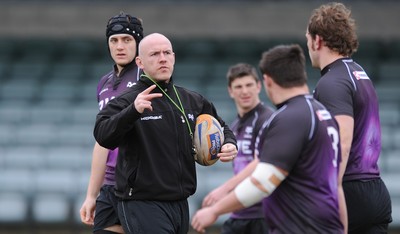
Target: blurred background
x=53, y=53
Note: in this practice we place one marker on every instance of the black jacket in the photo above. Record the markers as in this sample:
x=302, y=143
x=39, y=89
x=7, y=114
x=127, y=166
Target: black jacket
x=155, y=159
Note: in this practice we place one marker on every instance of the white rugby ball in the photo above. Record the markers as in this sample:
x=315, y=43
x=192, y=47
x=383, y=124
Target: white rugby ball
x=208, y=139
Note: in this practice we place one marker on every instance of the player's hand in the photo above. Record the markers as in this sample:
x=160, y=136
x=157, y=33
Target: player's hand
x=214, y=196
x=203, y=218
x=87, y=211
x=143, y=99
x=228, y=152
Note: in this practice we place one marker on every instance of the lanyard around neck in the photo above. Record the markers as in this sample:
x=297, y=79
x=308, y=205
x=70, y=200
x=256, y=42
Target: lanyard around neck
x=180, y=107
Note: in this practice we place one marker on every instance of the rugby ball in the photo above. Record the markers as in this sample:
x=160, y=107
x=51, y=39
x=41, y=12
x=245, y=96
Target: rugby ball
x=208, y=139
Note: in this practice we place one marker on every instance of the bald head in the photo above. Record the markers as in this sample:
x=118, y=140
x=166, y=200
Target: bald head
x=152, y=39
x=156, y=57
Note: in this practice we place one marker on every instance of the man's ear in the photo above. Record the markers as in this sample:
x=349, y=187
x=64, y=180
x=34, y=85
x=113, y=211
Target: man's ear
x=318, y=42
x=230, y=91
x=139, y=62
x=267, y=80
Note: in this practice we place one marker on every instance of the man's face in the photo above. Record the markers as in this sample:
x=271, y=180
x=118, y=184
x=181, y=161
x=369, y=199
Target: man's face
x=245, y=92
x=157, y=58
x=122, y=48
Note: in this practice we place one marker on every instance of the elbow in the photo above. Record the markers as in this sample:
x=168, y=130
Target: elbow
x=103, y=139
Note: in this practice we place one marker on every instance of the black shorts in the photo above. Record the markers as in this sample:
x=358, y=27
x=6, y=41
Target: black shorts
x=161, y=217
x=369, y=207
x=244, y=226
x=106, y=214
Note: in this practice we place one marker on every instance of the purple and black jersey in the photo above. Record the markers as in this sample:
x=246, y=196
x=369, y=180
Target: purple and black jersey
x=246, y=130
x=108, y=88
x=302, y=138
x=345, y=89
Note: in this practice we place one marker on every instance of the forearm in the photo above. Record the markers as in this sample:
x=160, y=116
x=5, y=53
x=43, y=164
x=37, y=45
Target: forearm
x=342, y=208
x=246, y=172
x=228, y=204
x=346, y=126
x=99, y=160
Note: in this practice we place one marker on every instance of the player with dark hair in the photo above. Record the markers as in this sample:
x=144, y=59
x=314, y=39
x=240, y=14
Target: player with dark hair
x=348, y=93
x=152, y=125
x=298, y=148
x=244, y=87
x=123, y=33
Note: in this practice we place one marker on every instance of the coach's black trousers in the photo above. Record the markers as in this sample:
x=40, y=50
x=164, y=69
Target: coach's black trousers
x=161, y=217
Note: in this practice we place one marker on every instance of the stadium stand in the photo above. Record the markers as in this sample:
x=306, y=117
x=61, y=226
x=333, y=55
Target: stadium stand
x=46, y=142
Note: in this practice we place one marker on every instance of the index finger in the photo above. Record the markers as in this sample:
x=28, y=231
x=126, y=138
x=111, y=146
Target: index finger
x=153, y=95
x=149, y=89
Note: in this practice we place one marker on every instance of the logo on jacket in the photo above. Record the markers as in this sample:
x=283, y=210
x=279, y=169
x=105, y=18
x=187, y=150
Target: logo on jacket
x=130, y=84
x=153, y=117
x=191, y=117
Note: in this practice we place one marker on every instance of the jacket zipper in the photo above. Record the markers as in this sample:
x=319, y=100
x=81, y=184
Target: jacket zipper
x=179, y=158
x=130, y=191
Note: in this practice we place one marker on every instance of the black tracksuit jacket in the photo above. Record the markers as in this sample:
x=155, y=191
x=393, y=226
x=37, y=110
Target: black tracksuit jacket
x=155, y=159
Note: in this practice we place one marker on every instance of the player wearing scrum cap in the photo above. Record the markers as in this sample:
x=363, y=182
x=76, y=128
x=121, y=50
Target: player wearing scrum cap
x=299, y=156
x=123, y=33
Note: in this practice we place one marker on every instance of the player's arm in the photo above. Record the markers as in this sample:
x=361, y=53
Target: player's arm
x=346, y=126
x=262, y=182
x=229, y=185
x=99, y=160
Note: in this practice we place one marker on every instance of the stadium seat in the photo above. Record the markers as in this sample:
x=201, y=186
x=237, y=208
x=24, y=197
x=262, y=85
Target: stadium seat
x=7, y=134
x=389, y=114
x=75, y=135
x=68, y=157
x=192, y=75
x=14, y=208
x=392, y=159
x=43, y=113
x=84, y=114
x=35, y=134
x=16, y=181
x=24, y=90
x=389, y=73
x=50, y=208
x=55, y=181
x=24, y=157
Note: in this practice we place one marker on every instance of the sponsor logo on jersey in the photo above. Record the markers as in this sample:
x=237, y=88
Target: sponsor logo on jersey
x=130, y=84
x=102, y=91
x=323, y=115
x=248, y=132
x=154, y=117
x=360, y=75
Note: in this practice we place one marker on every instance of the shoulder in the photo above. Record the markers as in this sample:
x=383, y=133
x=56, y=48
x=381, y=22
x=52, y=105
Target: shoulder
x=103, y=80
x=295, y=110
x=265, y=111
x=106, y=77
x=339, y=73
x=189, y=93
x=132, y=72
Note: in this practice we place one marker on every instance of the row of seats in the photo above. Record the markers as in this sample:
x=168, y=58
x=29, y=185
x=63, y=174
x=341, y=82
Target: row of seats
x=56, y=195
x=81, y=49
x=73, y=82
